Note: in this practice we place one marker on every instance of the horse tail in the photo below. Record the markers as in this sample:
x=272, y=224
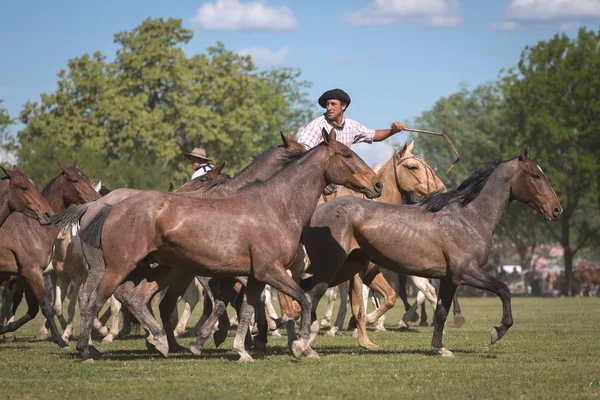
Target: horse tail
x=92, y=234
x=69, y=216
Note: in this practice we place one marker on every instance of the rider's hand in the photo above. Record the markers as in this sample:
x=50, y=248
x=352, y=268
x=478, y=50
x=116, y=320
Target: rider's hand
x=397, y=127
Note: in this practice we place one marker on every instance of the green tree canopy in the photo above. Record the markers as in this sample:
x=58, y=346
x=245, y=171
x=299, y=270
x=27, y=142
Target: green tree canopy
x=6, y=140
x=129, y=120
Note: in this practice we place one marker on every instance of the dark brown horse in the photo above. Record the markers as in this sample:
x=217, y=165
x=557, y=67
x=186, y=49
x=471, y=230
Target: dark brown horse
x=26, y=247
x=448, y=236
x=254, y=232
x=19, y=193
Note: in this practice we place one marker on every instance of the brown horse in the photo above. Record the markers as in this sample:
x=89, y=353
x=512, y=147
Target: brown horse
x=254, y=232
x=26, y=247
x=448, y=236
x=19, y=193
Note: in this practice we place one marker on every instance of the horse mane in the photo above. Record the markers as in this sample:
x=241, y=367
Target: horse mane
x=465, y=193
x=215, y=183
x=48, y=185
x=104, y=190
x=286, y=158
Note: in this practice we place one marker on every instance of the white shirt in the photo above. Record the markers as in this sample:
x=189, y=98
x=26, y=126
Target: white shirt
x=204, y=168
x=353, y=132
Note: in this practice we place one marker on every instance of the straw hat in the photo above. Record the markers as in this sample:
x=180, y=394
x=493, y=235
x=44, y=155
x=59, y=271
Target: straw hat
x=197, y=153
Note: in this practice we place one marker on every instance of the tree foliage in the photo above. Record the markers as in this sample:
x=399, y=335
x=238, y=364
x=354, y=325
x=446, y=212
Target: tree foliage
x=7, y=144
x=130, y=119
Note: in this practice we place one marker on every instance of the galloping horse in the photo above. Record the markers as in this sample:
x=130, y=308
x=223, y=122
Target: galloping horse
x=448, y=236
x=254, y=232
x=26, y=247
x=19, y=193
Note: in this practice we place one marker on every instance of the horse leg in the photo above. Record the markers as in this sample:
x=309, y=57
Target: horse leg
x=168, y=305
x=379, y=284
x=60, y=291
x=32, y=310
x=68, y=332
x=207, y=306
x=254, y=289
x=332, y=295
x=272, y=316
x=115, y=308
x=479, y=279
x=222, y=290
x=189, y=299
x=11, y=298
x=459, y=320
x=447, y=290
x=342, y=309
x=356, y=301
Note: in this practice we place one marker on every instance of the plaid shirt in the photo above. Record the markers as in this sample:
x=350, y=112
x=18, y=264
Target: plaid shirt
x=352, y=132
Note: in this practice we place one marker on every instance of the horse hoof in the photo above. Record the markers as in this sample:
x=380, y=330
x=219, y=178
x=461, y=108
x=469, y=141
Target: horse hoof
x=444, y=352
x=415, y=317
x=297, y=349
x=103, y=331
x=355, y=333
x=370, y=346
x=219, y=337
x=245, y=358
x=88, y=361
x=41, y=336
x=402, y=326
x=276, y=334
x=178, y=349
x=424, y=324
x=459, y=321
x=332, y=331
x=310, y=353
x=108, y=338
x=66, y=348
x=494, y=335
x=380, y=329
x=324, y=324
x=8, y=338
x=195, y=349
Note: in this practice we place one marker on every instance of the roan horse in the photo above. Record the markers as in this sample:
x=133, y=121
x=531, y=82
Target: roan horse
x=148, y=281
x=448, y=236
x=254, y=232
x=26, y=247
x=19, y=193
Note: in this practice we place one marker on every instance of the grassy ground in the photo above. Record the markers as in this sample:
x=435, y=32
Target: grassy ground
x=552, y=352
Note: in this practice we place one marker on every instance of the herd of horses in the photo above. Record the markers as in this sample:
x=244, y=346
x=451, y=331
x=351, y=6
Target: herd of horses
x=269, y=226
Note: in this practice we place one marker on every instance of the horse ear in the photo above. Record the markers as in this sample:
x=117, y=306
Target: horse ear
x=171, y=188
x=284, y=139
x=98, y=186
x=6, y=171
x=401, y=152
x=325, y=136
x=332, y=134
x=410, y=147
x=62, y=166
x=16, y=169
x=524, y=153
x=76, y=164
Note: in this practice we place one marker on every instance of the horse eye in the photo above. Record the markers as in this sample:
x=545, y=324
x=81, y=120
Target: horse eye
x=412, y=167
x=536, y=176
x=348, y=155
x=72, y=180
x=24, y=188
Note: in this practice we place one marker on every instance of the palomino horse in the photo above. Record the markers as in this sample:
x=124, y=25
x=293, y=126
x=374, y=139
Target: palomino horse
x=448, y=236
x=254, y=232
x=19, y=193
x=403, y=175
x=26, y=247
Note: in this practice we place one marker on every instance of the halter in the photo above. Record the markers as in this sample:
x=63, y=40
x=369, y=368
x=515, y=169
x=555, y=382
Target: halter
x=428, y=169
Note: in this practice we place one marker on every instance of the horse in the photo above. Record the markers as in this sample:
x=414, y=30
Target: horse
x=447, y=236
x=26, y=247
x=18, y=193
x=212, y=184
x=255, y=232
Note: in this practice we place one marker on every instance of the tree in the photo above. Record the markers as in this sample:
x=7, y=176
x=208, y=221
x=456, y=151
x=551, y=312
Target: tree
x=552, y=101
x=131, y=119
x=6, y=140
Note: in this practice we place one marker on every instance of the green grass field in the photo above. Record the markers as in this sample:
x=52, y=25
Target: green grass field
x=551, y=352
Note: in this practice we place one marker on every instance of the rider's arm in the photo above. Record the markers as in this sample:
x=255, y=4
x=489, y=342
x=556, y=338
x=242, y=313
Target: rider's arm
x=382, y=134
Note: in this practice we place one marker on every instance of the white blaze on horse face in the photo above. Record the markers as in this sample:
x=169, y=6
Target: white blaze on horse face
x=540, y=168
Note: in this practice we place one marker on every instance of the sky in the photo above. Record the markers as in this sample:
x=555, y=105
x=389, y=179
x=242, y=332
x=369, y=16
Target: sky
x=395, y=58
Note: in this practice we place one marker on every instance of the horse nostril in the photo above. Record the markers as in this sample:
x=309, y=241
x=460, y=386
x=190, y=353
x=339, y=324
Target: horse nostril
x=379, y=186
x=557, y=211
x=47, y=215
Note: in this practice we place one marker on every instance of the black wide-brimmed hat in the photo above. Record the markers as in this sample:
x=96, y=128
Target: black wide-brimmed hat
x=334, y=94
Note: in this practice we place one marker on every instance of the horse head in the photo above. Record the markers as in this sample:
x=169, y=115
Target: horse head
x=346, y=168
x=529, y=185
x=413, y=175
x=77, y=187
x=25, y=197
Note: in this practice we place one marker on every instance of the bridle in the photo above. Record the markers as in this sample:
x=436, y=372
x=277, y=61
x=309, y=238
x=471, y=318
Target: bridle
x=427, y=168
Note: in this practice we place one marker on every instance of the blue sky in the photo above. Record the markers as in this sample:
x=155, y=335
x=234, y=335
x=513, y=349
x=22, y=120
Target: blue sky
x=394, y=57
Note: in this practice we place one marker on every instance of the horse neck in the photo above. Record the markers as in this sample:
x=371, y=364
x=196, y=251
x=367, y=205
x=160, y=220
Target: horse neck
x=491, y=204
x=54, y=194
x=4, y=211
x=294, y=191
x=391, y=192
x=260, y=169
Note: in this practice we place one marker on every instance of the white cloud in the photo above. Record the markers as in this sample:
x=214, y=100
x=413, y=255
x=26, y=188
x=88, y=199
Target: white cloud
x=439, y=13
x=266, y=58
x=233, y=15
x=562, y=14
